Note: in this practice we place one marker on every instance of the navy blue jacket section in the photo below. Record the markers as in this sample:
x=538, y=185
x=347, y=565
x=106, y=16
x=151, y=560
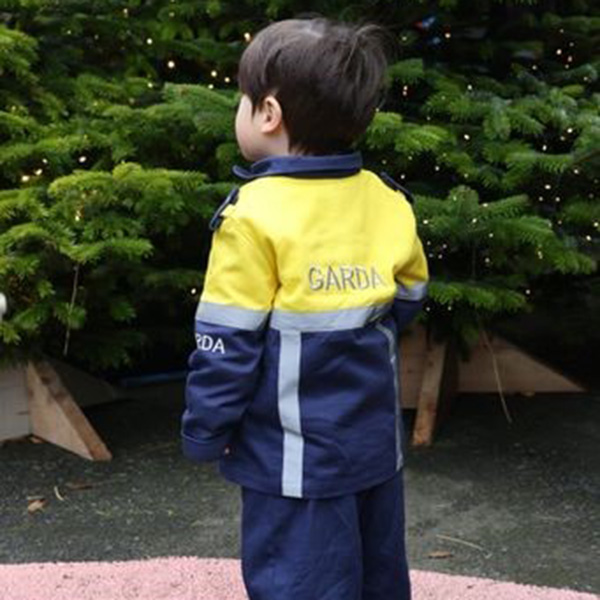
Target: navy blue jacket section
x=218, y=390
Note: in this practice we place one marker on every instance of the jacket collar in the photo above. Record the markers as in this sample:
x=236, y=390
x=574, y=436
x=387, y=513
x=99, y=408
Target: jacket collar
x=333, y=165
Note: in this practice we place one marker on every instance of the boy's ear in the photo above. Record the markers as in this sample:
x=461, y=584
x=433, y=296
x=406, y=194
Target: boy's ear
x=272, y=115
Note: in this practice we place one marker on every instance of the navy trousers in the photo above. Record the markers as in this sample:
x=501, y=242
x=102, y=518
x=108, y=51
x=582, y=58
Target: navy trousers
x=344, y=548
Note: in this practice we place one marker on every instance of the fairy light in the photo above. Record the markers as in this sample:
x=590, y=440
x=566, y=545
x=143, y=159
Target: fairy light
x=227, y=80
x=557, y=199
x=447, y=35
x=588, y=238
x=559, y=51
x=149, y=41
x=544, y=148
x=548, y=186
x=25, y=178
x=540, y=254
x=474, y=220
x=247, y=36
x=78, y=214
x=540, y=198
x=470, y=87
x=490, y=235
x=576, y=171
x=45, y=161
x=570, y=130
x=437, y=167
x=467, y=137
x=211, y=86
x=82, y=159
x=193, y=291
x=171, y=64
x=126, y=12
x=213, y=73
x=403, y=176
x=426, y=222
x=39, y=171
x=569, y=59
x=150, y=85
x=528, y=292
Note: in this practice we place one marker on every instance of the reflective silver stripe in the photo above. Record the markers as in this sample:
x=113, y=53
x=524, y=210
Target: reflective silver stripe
x=389, y=334
x=289, y=414
x=231, y=316
x=415, y=293
x=334, y=320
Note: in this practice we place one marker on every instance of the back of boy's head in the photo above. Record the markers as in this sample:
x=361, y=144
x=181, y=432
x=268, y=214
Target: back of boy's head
x=327, y=76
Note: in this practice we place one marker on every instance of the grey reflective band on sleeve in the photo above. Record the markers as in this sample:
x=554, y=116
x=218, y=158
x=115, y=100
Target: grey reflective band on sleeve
x=334, y=320
x=289, y=414
x=231, y=316
x=415, y=293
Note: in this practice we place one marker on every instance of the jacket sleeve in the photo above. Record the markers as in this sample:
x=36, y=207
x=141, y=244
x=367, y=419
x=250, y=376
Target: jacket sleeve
x=239, y=288
x=412, y=277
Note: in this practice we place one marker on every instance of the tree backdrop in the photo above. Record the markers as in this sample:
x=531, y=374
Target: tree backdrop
x=117, y=142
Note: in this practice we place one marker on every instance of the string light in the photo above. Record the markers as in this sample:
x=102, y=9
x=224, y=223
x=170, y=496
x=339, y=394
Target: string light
x=78, y=215
x=588, y=238
x=39, y=171
x=213, y=73
x=569, y=59
x=548, y=186
x=544, y=148
x=45, y=161
x=490, y=235
x=474, y=220
x=193, y=291
x=149, y=41
x=447, y=35
x=437, y=167
x=25, y=178
x=470, y=87
x=540, y=198
x=559, y=51
x=126, y=12
x=227, y=80
x=402, y=176
x=426, y=222
x=570, y=130
x=171, y=64
x=82, y=159
x=211, y=86
x=467, y=136
x=150, y=85
x=557, y=199
x=528, y=292
x=576, y=171
x=248, y=36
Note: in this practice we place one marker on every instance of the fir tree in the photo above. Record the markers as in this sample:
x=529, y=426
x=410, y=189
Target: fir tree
x=116, y=130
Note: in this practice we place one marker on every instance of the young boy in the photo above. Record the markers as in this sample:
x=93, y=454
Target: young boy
x=315, y=267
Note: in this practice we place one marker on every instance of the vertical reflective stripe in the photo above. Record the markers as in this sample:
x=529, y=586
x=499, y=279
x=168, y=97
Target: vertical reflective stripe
x=389, y=334
x=289, y=414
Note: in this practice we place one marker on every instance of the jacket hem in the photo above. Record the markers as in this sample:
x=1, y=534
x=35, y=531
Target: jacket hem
x=244, y=479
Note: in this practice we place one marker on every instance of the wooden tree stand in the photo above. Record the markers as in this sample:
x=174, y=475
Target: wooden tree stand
x=34, y=400
x=431, y=374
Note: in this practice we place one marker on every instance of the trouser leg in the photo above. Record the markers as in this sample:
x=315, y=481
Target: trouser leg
x=301, y=549
x=385, y=566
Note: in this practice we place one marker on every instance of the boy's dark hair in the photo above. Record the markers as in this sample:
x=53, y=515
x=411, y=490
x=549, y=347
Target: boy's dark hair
x=328, y=77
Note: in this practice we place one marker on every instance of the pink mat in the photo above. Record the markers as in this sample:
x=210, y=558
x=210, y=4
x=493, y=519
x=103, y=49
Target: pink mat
x=190, y=578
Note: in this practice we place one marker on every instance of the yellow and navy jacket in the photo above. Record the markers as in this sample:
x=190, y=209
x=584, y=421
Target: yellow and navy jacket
x=315, y=268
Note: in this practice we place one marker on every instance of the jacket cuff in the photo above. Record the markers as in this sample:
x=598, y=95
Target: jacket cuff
x=204, y=450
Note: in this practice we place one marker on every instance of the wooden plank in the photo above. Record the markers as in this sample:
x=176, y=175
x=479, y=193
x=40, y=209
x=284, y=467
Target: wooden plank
x=518, y=371
x=430, y=396
x=57, y=418
x=413, y=348
x=14, y=409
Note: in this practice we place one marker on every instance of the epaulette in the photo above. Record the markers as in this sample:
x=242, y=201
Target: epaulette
x=217, y=218
x=396, y=186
